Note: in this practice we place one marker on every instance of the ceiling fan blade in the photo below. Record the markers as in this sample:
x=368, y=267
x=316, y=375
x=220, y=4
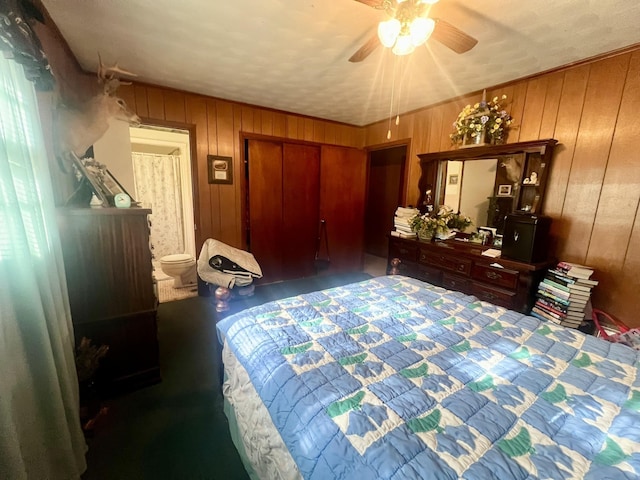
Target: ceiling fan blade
x=364, y=51
x=452, y=37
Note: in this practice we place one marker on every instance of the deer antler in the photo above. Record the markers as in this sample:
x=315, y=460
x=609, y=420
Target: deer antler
x=106, y=76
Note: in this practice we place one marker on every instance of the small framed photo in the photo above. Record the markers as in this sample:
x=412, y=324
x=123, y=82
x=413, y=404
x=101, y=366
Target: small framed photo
x=497, y=241
x=220, y=169
x=453, y=179
x=504, y=190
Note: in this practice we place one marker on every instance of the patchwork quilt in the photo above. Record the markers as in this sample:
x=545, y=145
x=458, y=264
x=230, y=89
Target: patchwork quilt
x=394, y=378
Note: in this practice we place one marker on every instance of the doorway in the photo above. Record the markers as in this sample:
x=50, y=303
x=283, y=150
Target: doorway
x=161, y=162
x=384, y=194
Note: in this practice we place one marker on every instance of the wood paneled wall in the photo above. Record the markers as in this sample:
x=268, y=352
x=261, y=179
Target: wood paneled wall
x=218, y=125
x=593, y=192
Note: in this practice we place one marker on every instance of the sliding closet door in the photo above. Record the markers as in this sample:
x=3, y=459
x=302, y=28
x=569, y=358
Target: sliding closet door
x=300, y=209
x=343, y=175
x=265, y=206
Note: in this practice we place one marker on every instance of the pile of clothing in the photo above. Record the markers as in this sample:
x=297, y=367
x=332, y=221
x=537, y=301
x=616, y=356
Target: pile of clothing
x=223, y=265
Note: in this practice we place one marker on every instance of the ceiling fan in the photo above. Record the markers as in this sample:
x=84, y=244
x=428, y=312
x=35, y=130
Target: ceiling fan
x=410, y=26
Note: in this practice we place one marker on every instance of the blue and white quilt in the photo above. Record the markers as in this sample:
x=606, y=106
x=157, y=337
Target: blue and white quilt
x=393, y=378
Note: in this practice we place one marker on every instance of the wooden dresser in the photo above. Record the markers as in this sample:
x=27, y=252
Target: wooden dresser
x=461, y=266
x=109, y=277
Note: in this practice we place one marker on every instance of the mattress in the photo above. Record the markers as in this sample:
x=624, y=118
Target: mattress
x=395, y=378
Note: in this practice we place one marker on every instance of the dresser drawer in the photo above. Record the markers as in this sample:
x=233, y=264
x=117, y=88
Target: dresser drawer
x=403, y=251
x=459, y=265
x=496, y=276
x=493, y=295
x=456, y=282
x=429, y=274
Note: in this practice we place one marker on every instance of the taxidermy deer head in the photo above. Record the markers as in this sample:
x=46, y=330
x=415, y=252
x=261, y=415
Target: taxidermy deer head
x=81, y=126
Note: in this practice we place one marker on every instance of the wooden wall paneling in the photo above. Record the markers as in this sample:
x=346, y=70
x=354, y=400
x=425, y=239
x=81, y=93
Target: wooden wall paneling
x=292, y=126
x=309, y=125
x=318, y=131
x=141, y=103
x=533, y=109
x=196, y=114
x=621, y=298
x=155, y=102
x=279, y=125
x=566, y=131
x=435, y=130
x=228, y=210
x=257, y=120
x=343, y=179
x=604, y=92
x=267, y=122
x=551, y=105
x=330, y=133
x=239, y=233
x=620, y=196
x=300, y=209
x=247, y=119
x=174, y=106
x=212, y=196
x=265, y=206
x=450, y=112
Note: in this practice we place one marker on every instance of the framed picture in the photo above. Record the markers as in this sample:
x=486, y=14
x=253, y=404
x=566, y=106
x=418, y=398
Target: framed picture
x=453, y=179
x=220, y=169
x=497, y=241
x=504, y=190
x=102, y=181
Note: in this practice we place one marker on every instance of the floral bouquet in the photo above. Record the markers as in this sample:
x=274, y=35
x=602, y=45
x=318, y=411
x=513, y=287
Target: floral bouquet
x=484, y=118
x=440, y=224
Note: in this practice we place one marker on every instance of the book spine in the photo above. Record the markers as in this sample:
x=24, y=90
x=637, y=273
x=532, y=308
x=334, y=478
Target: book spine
x=543, y=316
x=553, y=283
x=552, y=297
x=558, y=316
x=550, y=303
x=555, y=291
x=551, y=310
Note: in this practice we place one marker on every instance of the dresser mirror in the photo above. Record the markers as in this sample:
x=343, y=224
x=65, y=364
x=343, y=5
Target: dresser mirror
x=487, y=182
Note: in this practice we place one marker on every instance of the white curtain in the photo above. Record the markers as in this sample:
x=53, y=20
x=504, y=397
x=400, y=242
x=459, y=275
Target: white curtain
x=40, y=433
x=157, y=181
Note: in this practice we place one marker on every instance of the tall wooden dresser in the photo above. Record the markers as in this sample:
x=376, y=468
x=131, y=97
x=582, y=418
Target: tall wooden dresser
x=109, y=277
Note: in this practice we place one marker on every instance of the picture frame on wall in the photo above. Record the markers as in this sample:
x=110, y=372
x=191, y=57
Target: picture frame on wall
x=220, y=169
x=453, y=179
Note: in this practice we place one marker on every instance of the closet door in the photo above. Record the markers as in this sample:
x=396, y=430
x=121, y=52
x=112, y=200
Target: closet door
x=343, y=175
x=300, y=209
x=265, y=207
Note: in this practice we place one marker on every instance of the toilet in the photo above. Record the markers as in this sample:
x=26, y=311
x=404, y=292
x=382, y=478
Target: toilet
x=180, y=266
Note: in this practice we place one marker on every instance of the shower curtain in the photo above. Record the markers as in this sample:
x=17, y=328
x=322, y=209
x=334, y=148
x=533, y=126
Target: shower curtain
x=157, y=180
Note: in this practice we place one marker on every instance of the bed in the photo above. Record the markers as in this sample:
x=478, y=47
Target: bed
x=394, y=378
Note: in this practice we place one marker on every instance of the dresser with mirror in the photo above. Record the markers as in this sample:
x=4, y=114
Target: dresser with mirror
x=485, y=183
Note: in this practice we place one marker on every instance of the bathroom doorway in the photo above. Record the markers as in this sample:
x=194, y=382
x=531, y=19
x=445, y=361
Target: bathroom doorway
x=161, y=162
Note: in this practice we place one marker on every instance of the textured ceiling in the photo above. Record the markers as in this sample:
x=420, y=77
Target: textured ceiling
x=293, y=55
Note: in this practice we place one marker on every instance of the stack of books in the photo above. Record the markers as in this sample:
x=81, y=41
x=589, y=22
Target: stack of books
x=564, y=294
x=401, y=220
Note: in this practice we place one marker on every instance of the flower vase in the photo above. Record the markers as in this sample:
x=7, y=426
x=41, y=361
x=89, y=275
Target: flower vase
x=476, y=141
x=425, y=237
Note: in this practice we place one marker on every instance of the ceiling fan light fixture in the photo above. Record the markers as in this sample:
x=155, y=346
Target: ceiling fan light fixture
x=388, y=32
x=404, y=45
x=430, y=2
x=420, y=30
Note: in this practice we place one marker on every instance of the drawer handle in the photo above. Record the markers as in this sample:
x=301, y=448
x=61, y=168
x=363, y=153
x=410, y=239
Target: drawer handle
x=423, y=257
x=490, y=296
x=461, y=267
x=452, y=283
x=493, y=275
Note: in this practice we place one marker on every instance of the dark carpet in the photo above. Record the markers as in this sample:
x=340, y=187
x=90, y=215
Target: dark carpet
x=177, y=428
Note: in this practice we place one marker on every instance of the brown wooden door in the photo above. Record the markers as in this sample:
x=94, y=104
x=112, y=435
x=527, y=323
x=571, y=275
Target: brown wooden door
x=265, y=206
x=300, y=209
x=342, y=196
